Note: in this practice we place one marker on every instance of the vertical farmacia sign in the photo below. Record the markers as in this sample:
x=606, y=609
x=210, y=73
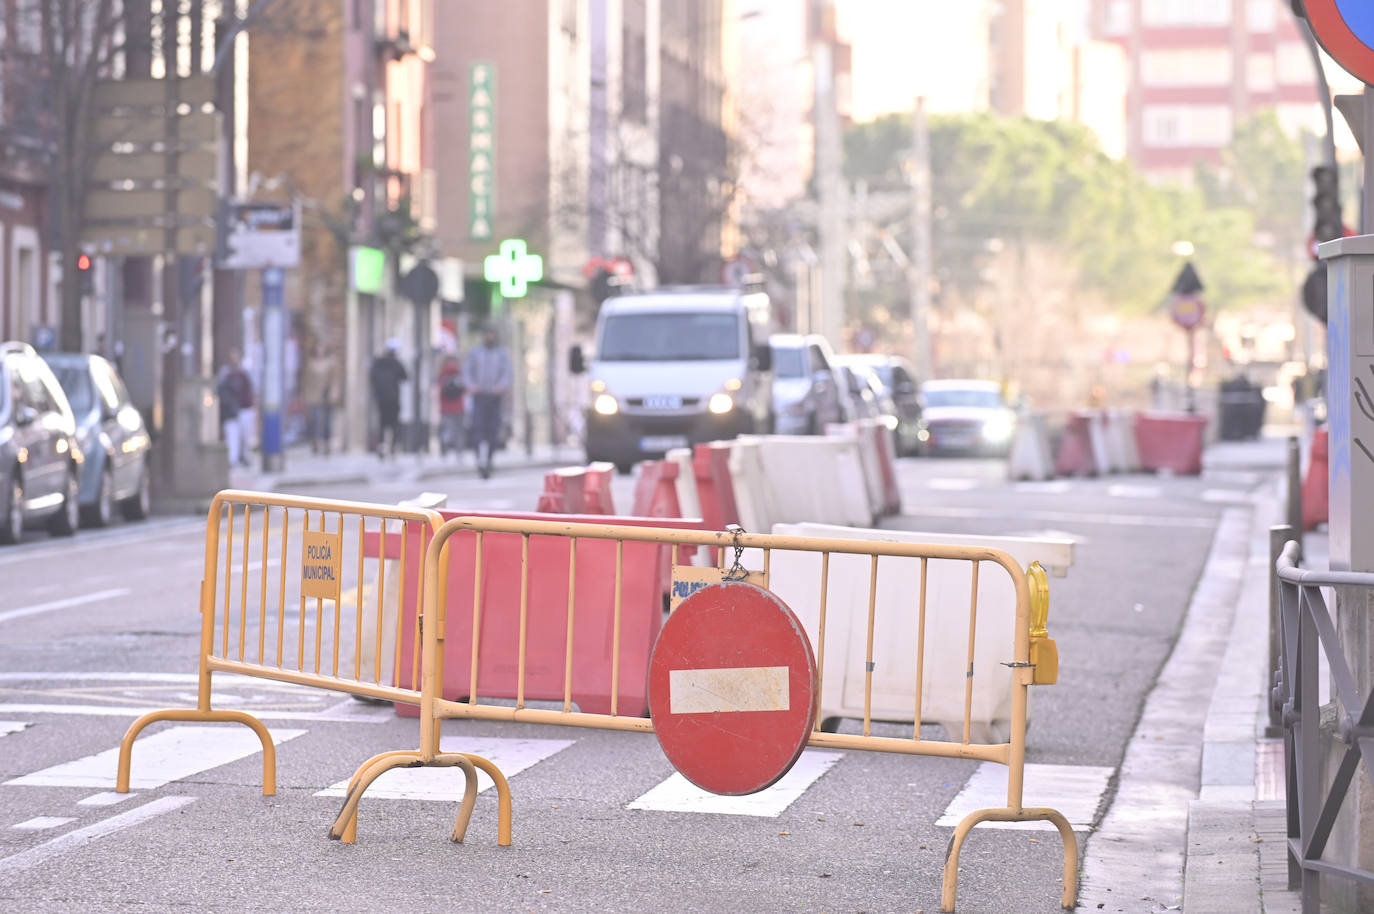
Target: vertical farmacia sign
x=481, y=149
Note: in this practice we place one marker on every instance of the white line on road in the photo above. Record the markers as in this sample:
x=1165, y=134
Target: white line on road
x=1052, y=487
x=512, y=756
x=147, y=530
x=11, y=726
x=1121, y=490
x=39, y=823
x=677, y=794
x=158, y=759
x=132, y=711
x=952, y=483
x=75, y=839
x=64, y=603
x=1074, y=790
x=1116, y=520
x=104, y=799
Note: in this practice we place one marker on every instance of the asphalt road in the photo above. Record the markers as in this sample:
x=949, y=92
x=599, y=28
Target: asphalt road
x=96, y=630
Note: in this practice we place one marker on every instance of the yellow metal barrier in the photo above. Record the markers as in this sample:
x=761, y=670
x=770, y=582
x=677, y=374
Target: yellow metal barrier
x=277, y=566
x=1018, y=644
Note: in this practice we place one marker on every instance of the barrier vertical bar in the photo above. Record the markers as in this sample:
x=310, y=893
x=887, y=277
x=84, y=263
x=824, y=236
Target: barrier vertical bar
x=338, y=599
x=524, y=618
x=820, y=639
x=281, y=596
x=319, y=611
x=400, y=616
x=262, y=598
x=920, y=651
x=972, y=629
x=381, y=590
x=476, y=612
x=300, y=626
x=228, y=580
x=1016, y=765
x=868, y=655
x=208, y=592
x=243, y=578
x=420, y=612
x=572, y=607
x=358, y=602
x=1278, y=536
x=615, y=627
x=1308, y=729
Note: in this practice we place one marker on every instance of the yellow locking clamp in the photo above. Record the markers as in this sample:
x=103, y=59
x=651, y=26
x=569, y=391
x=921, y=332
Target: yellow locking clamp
x=1044, y=654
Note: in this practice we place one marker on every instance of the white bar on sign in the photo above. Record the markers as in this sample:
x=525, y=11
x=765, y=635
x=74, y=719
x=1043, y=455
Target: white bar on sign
x=745, y=688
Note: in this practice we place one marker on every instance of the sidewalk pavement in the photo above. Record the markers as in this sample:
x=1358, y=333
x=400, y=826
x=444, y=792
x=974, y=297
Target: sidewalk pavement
x=303, y=468
x=1198, y=821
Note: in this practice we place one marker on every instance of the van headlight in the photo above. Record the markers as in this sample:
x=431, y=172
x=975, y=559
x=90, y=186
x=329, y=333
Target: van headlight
x=998, y=430
x=606, y=405
x=720, y=403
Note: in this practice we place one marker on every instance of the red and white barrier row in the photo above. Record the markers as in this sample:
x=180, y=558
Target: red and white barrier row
x=1098, y=442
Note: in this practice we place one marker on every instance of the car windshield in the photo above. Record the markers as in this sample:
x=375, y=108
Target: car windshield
x=76, y=384
x=670, y=337
x=789, y=362
x=884, y=373
x=963, y=396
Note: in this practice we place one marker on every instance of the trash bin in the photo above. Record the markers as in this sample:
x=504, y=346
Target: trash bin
x=1241, y=410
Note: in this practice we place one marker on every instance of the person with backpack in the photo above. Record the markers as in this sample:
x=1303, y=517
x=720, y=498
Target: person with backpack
x=385, y=378
x=235, y=392
x=487, y=373
x=452, y=414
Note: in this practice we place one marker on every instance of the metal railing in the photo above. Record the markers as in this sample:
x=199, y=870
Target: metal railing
x=1308, y=628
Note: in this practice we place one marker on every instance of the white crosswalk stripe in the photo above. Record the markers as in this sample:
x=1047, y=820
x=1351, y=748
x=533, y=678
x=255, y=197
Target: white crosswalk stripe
x=158, y=759
x=677, y=794
x=11, y=726
x=1074, y=790
x=512, y=756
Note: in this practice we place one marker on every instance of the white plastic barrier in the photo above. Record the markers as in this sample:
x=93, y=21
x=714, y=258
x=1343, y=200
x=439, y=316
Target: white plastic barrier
x=1030, y=456
x=1097, y=437
x=795, y=578
x=816, y=479
x=753, y=497
x=1125, y=456
x=868, y=461
x=686, y=484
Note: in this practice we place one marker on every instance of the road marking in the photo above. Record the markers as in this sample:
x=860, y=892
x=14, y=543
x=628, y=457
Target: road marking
x=1117, y=520
x=131, y=711
x=952, y=483
x=748, y=688
x=1074, y=790
x=1226, y=497
x=103, y=539
x=75, y=839
x=38, y=823
x=1053, y=487
x=512, y=756
x=65, y=603
x=677, y=794
x=103, y=799
x=11, y=726
x=159, y=759
x=1118, y=490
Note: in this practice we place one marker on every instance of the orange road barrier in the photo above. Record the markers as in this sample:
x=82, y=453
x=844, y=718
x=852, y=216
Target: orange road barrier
x=289, y=594
x=1029, y=651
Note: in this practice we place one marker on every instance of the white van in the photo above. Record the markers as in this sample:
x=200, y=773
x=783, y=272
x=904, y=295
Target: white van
x=676, y=367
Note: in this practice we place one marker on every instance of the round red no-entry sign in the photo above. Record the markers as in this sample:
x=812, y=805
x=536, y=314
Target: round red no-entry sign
x=732, y=688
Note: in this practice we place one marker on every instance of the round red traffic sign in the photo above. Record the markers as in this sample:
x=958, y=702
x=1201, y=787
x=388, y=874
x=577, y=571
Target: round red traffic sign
x=1187, y=311
x=1345, y=28
x=732, y=688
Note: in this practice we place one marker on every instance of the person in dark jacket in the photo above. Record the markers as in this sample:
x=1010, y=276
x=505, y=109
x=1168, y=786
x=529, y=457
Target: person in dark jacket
x=385, y=378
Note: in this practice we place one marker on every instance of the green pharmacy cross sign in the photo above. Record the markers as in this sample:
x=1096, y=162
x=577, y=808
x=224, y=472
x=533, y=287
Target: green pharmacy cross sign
x=514, y=268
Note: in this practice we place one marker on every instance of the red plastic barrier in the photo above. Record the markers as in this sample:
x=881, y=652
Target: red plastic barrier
x=597, y=492
x=641, y=612
x=656, y=490
x=1316, y=494
x=887, y=461
x=715, y=491
x=1170, y=441
x=1075, y=457
x=564, y=491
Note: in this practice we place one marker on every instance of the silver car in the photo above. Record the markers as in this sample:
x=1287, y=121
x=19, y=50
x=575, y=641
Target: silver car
x=808, y=392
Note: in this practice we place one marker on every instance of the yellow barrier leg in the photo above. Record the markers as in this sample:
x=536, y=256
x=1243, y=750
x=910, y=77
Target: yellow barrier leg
x=950, y=885
x=269, y=751
x=503, y=807
x=460, y=824
x=345, y=827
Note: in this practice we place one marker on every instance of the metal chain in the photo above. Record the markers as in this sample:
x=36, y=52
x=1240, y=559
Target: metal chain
x=737, y=571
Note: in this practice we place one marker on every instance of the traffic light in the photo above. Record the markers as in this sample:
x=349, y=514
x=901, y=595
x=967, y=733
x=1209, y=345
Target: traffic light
x=1326, y=204
x=85, y=273
x=1314, y=292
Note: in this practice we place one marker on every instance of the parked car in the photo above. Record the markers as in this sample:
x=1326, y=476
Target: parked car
x=112, y=436
x=40, y=458
x=862, y=403
x=899, y=378
x=967, y=417
x=808, y=394
x=884, y=406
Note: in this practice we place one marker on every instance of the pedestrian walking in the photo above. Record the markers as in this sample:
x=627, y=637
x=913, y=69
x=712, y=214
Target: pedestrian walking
x=385, y=378
x=487, y=374
x=452, y=394
x=320, y=393
x=235, y=407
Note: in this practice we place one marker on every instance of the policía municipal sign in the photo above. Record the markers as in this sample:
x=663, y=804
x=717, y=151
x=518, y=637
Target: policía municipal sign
x=321, y=564
x=1345, y=28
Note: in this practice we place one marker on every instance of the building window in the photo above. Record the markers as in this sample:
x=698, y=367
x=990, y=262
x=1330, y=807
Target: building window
x=1293, y=64
x=1116, y=18
x=1259, y=73
x=1186, y=126
x=1186, y=67
x=1261, y=15
x=1185, y=13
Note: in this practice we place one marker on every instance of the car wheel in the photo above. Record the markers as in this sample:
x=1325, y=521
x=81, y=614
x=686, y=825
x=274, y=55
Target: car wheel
x=101, y=512
x=68, y=517
x=12, y=527
x=140, y=504
x=624, y=468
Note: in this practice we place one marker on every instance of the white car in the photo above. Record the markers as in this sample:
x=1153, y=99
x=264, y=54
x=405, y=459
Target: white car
x=968, y=417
